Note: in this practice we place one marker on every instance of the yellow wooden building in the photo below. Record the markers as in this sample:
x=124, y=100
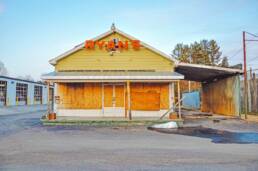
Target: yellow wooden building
x=113, y=75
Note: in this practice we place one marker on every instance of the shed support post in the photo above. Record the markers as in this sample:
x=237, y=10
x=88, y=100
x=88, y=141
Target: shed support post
x=179, y=99
x=129, y=100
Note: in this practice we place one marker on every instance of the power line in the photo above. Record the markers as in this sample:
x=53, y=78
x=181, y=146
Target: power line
x=253, y=58
x=237, y=52
x=251, y=34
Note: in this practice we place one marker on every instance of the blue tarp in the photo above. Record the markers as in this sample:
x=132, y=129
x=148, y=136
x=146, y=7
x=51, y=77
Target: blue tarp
x=191, y=100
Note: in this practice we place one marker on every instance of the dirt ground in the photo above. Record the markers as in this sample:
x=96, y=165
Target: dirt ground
x=27, y=145
x=252, y=118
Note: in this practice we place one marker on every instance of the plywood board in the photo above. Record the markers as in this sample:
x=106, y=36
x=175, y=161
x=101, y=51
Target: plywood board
x=108, y=95
x=145, y=101
x=119, y=95
x=221, y=97
x=80, y=95
x=161, y=90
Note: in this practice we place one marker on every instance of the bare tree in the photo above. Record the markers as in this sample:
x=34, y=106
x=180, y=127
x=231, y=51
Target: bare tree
x=3, y=69
x=26, y=77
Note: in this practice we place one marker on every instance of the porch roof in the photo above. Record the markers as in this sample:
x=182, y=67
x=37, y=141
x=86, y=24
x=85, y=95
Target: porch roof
x=111, y=75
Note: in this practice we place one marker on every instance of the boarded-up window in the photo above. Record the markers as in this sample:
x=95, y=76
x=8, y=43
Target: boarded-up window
x=149, y=96
x=80, y=95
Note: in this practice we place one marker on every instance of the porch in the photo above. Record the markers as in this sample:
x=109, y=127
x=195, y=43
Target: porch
x=123, y=95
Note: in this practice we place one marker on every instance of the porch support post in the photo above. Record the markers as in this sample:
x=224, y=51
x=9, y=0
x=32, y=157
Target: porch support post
x=102, y=98
x=171, y=96
x=179, y=99
x=129, y=100
x=48, y=98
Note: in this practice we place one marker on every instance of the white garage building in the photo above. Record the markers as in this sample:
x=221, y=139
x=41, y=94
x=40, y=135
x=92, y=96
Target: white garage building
x=14, y=91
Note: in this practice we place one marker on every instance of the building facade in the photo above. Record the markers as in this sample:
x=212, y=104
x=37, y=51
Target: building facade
x=113, y=75
x=15, y=91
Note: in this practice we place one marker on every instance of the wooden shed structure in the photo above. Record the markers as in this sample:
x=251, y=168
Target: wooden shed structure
x=220, y=90
x=117, y=75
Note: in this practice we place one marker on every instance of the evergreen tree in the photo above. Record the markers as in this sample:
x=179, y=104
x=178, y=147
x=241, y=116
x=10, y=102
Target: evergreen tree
x=224, y=62
x=182, y=52
x=203, y=52
x=214, y=53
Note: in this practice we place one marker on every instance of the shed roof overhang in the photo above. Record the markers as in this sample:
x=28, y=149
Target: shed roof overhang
x=205, y=73
x=110, y=76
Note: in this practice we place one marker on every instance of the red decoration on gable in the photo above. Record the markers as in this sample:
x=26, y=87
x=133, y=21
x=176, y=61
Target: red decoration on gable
x=89, y=44
x=136, y=44
x=100, y=44
x=112, y=45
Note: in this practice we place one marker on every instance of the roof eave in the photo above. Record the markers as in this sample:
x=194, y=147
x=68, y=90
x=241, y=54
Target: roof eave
x=232, y=70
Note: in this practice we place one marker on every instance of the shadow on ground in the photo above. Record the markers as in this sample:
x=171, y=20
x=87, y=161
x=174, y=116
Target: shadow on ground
x=216, y=136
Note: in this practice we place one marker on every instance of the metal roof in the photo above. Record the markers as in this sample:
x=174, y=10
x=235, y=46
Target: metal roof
x=205, y=73
x=112, y=75
x=18, y=79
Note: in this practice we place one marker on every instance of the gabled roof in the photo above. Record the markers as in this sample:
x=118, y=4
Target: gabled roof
x=111, y=31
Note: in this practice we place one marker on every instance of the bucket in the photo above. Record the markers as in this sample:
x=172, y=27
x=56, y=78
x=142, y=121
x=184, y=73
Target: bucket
x=51, y=116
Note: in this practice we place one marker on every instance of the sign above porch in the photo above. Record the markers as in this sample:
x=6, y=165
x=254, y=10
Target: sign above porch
x=112, y=44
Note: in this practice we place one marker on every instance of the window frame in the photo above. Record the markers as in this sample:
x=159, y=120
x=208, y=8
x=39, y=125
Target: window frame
x=38, y=93
x=21, y=92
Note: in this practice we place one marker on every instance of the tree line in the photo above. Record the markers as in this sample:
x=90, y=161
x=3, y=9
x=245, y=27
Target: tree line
x=205, y=52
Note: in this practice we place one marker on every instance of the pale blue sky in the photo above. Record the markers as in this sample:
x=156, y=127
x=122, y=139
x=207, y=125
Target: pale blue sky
x=34, y=31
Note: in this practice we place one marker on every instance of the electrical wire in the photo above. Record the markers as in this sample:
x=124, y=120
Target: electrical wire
x=252, y=59
x=251, y=34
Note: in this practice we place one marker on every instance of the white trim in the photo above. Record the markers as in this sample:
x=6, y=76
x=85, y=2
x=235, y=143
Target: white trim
x=80, y=112
x=55, y=106
x=138, y=113
x=112, y=81
x=112, y=77
x=80, y=46
x=98, y=113
x=114, y=112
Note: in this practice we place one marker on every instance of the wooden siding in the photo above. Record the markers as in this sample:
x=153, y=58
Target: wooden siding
x=108, y=95
x=144, y=96
x=80, y=95
x=97, y=59
x=222, y=97
x=119, y=95
x=149, y=96
x=114, y=95
x=145, y=100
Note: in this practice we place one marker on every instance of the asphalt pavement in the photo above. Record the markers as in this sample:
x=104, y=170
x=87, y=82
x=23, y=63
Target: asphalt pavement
x=27, y=145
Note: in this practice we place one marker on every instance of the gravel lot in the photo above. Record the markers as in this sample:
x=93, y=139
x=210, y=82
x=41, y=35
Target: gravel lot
x=27, y=145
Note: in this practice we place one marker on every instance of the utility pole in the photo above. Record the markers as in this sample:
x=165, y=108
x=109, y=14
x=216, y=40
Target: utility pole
x=245, y=68
x=245, y=77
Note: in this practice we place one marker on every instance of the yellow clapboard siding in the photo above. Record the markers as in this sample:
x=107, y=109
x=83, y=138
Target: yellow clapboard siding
x=100, y=59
